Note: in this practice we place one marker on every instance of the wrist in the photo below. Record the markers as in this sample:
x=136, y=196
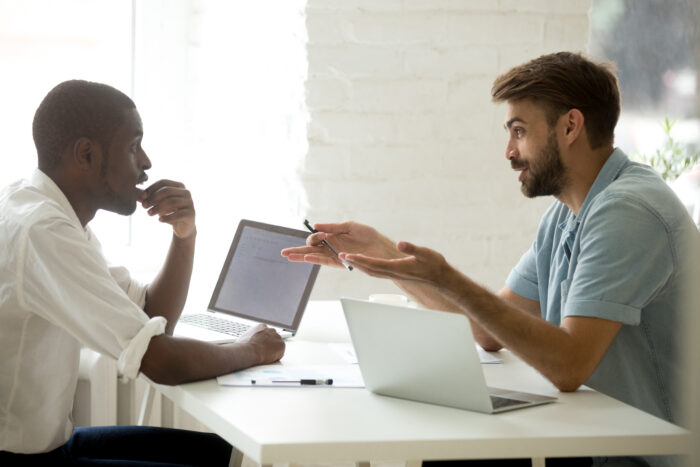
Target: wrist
x=190, y=237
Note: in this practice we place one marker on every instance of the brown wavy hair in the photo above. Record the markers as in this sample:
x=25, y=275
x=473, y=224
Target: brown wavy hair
x=563, y=81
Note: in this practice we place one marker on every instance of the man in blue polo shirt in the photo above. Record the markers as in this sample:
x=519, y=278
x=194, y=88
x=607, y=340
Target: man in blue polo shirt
x=599, y=298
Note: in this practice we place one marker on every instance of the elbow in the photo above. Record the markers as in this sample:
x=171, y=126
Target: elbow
x=491, y=346
x=160, y=375
x=487, y=342
x=567, y=386
x=161, y=362
x=569, y=381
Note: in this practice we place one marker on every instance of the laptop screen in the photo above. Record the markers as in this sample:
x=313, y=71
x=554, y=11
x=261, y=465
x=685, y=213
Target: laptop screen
x=257, y=283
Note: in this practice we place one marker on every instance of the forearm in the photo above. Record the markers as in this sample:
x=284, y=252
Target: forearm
x=167, y=293
x=550, y=349
x=431, y=298
x=170, y=360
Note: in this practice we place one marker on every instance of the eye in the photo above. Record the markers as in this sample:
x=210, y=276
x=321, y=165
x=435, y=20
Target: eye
x=518, y=131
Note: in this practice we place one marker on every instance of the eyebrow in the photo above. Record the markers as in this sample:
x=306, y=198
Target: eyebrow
x=510, y=122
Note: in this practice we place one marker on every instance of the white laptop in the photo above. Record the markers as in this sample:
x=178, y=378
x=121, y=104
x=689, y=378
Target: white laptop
x=256, y=285
x=426, y=356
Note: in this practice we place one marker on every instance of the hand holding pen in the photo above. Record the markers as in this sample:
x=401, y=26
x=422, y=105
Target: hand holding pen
x=328, y=245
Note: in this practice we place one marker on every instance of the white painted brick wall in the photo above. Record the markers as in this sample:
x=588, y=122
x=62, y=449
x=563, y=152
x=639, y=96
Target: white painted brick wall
x=403, y=135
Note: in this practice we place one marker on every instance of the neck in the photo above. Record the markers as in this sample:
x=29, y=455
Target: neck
x=77, y=195
x=583, y=168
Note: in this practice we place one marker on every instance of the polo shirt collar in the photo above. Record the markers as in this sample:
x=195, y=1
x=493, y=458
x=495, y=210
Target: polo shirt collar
x=608, y=173
x=46, y=185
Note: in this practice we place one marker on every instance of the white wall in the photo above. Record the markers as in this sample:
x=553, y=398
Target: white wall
x=403, y=134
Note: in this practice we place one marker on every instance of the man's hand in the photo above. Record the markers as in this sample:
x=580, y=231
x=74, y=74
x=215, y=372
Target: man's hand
x=418, y=264
x=266, y=343
x=348, y=237
x=172, y=202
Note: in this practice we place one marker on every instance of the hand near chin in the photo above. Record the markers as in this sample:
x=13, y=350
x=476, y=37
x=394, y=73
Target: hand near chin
x=172, y=203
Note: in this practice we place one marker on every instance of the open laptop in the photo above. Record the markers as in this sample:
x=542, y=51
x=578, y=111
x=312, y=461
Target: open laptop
x=426, y=356
x=256, y=285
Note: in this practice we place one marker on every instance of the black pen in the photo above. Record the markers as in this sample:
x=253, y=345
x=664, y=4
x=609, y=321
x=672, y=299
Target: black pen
x=306, y=382
x=312, y=230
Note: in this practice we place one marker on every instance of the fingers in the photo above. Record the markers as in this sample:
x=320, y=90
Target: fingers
x=253, y=330
x=405, y=247
x=334, y=228
x=312, y=254
x=172, y=203
x=268, y=342
x=161, y=184
x=386, y=268
x=165, y=196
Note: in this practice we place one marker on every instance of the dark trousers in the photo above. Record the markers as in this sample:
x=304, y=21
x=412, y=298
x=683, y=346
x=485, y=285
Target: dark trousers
x=130, y=446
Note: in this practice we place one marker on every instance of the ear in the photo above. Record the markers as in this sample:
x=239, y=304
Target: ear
x=86, y=154
x=573, y=125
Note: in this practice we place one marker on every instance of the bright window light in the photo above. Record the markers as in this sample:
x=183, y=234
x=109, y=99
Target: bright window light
x=220, y=89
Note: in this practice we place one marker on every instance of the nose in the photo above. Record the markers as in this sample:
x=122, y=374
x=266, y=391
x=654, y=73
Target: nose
x=511, y=151
x=144, y=161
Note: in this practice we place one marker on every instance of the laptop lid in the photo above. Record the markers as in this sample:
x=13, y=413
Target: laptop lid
x=421, y=355
x=256, y=283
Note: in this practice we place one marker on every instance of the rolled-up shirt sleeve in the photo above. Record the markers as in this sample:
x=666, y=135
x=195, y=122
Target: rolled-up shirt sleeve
x=67, y=281
x=624, y=262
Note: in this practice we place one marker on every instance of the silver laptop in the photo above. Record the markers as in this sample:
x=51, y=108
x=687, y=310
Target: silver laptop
x=426, y=356
x=256, y=285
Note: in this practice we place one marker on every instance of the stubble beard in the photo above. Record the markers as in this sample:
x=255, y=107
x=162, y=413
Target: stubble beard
x=547, y=176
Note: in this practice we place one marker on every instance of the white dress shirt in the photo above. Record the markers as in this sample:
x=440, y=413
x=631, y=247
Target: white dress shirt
x=56, y=293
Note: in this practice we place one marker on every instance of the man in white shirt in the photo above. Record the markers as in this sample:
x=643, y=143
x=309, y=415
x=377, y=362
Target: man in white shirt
x=57, y=291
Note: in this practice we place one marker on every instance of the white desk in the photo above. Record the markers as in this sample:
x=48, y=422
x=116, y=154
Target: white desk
x=319, y=424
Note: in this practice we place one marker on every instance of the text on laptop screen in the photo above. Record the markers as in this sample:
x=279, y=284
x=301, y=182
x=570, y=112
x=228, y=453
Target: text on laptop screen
x=259, y=282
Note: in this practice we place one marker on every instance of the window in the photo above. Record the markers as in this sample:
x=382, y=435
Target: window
x=220, y=89
x=656, y=48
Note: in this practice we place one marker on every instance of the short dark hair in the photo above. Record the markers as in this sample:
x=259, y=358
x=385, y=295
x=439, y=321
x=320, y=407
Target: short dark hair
x=563, y=81
x=76, y=109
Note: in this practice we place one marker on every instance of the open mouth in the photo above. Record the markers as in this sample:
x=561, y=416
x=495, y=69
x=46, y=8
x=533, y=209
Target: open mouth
x=522, y=174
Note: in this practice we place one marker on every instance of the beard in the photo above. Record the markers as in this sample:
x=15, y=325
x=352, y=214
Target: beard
x=547, y=174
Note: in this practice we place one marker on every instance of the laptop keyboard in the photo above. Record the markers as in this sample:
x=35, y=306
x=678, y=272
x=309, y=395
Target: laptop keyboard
x=215, y=323
x=500, y=402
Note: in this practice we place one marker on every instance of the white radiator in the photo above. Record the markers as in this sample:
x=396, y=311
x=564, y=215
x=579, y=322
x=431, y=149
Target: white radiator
x=95, y=402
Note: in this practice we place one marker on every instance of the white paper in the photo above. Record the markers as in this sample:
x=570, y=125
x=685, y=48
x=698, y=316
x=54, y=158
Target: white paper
x=343, y=376
x=485, y=357
x=345, y=350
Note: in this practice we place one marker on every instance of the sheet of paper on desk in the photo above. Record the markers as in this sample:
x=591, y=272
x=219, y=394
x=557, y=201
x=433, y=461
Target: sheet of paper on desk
x=343, y=376
x=485, y=357
x=347, y=352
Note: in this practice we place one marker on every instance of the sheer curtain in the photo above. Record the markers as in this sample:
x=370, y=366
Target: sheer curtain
x=220, y=89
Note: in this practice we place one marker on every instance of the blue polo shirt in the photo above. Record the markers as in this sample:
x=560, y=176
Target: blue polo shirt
x=624, y=258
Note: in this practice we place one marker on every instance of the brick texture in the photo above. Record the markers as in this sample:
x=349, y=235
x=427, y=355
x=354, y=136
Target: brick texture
x=403, y=134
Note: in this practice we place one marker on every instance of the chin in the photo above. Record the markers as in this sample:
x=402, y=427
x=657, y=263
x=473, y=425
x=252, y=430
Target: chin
x=122, y=209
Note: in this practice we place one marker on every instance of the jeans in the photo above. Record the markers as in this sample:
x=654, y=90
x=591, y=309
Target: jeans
x=130, y=446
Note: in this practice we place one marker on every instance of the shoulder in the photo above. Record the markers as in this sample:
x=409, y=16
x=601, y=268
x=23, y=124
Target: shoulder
x=24, y=204
x=639, y=196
